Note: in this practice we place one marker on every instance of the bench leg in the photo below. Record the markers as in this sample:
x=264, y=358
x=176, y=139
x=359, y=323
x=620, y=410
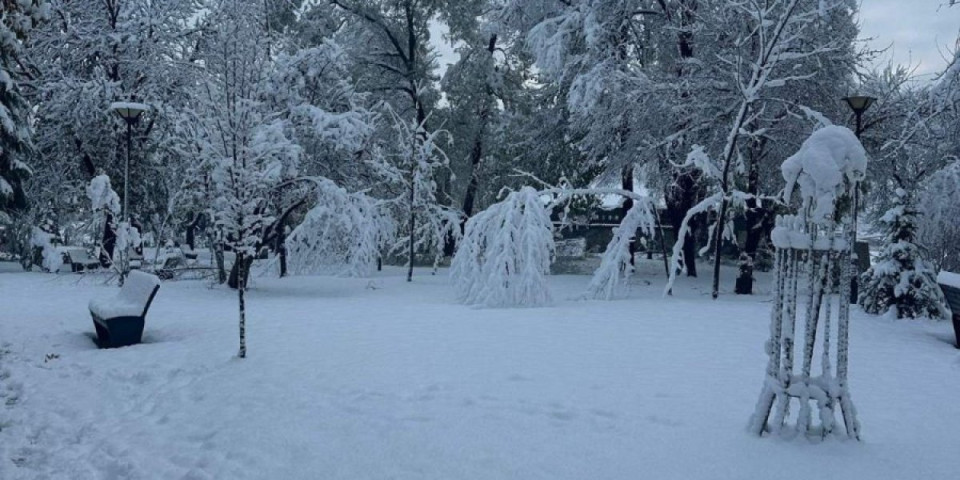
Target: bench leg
x=103, y=335
x=956, y=328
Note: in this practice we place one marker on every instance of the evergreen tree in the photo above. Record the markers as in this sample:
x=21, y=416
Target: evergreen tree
x=901, y=278
x=16, y=19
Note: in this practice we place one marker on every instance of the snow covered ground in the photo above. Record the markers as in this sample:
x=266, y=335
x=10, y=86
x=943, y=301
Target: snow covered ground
x=378, y=378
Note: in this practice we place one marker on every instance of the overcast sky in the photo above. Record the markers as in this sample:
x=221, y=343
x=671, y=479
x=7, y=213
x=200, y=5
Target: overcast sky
x=917, y=31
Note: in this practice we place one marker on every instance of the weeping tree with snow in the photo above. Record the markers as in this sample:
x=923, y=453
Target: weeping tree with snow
x=900, y=278
x=342, y=234
x=616, y=266
x=504, y=257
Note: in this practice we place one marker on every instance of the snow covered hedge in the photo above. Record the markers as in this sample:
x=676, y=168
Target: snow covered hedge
x=504, y=257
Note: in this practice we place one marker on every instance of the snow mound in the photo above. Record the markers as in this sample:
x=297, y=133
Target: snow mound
x=830, y=160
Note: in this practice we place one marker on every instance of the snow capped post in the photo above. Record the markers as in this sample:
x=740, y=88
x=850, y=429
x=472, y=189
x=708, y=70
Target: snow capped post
x=818, y=241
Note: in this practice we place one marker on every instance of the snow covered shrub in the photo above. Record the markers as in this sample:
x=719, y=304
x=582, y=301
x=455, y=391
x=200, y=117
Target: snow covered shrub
x=52, y=260
x=901, y=278
x=615, y=269
x=504, y=257
x=938, y=227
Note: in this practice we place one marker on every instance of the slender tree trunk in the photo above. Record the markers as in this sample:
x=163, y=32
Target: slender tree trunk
x=282, y=251
x=413, y=222
x=626, y=183
x=109, y=243
x=242, y=287
x=192, y=231
x=217, y=248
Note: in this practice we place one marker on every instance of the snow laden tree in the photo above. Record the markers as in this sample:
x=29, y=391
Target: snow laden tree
x=900, y=278
x=312, y=91
x=504, y=257
x=616, y=266
x=773, y=54
x=17, y=18
x=245, y=151
x=411, y=166
x=91, y=54
x=938, y=228
x=342, y=234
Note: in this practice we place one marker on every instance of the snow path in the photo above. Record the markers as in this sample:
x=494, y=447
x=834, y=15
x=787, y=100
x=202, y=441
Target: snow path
x=397, y=381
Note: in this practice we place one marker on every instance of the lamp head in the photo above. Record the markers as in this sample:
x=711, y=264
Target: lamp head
x=860, y=103
x=129, y=111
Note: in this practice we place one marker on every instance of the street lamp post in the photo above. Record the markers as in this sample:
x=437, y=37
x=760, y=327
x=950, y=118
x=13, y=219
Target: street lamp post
x=859, y=104
x=130, y=112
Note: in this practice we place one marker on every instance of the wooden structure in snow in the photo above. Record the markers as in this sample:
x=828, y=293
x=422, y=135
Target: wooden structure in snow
x=813, y=260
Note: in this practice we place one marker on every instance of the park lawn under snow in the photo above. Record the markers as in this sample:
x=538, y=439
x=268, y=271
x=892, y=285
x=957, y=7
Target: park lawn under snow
x=378, y=378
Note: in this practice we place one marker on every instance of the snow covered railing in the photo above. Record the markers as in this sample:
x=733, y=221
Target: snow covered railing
x=950, y=286
x=119, y=320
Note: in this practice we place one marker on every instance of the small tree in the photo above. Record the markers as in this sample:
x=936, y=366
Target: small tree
x=504, y=256
x=901, y=278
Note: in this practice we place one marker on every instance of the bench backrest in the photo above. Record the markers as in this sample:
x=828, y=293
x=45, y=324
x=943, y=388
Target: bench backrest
x=139, y=288
x=80, y=256
x=950, y=285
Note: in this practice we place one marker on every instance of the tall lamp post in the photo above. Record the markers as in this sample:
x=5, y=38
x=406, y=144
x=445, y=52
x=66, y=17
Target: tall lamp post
x=859, y=104
x=130, y=113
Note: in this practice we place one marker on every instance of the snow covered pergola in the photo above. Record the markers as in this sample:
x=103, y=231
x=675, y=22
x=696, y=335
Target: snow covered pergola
x=816, y=243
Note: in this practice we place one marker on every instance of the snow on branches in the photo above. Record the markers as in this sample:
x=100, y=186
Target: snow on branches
x=413, y=167
x=342, y=234
x=504, y=257
x=615, y=269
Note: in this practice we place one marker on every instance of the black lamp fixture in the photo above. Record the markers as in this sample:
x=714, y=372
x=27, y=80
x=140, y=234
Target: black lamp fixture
x=859, y=104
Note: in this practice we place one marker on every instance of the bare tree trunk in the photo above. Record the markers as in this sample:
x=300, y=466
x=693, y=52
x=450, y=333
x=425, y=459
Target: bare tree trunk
x=413, y=223
x=626, y=183
x=242, y=287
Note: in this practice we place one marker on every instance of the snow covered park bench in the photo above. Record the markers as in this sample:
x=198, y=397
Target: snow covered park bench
x=119, y=320
x=950, y=284
x=79, y=259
